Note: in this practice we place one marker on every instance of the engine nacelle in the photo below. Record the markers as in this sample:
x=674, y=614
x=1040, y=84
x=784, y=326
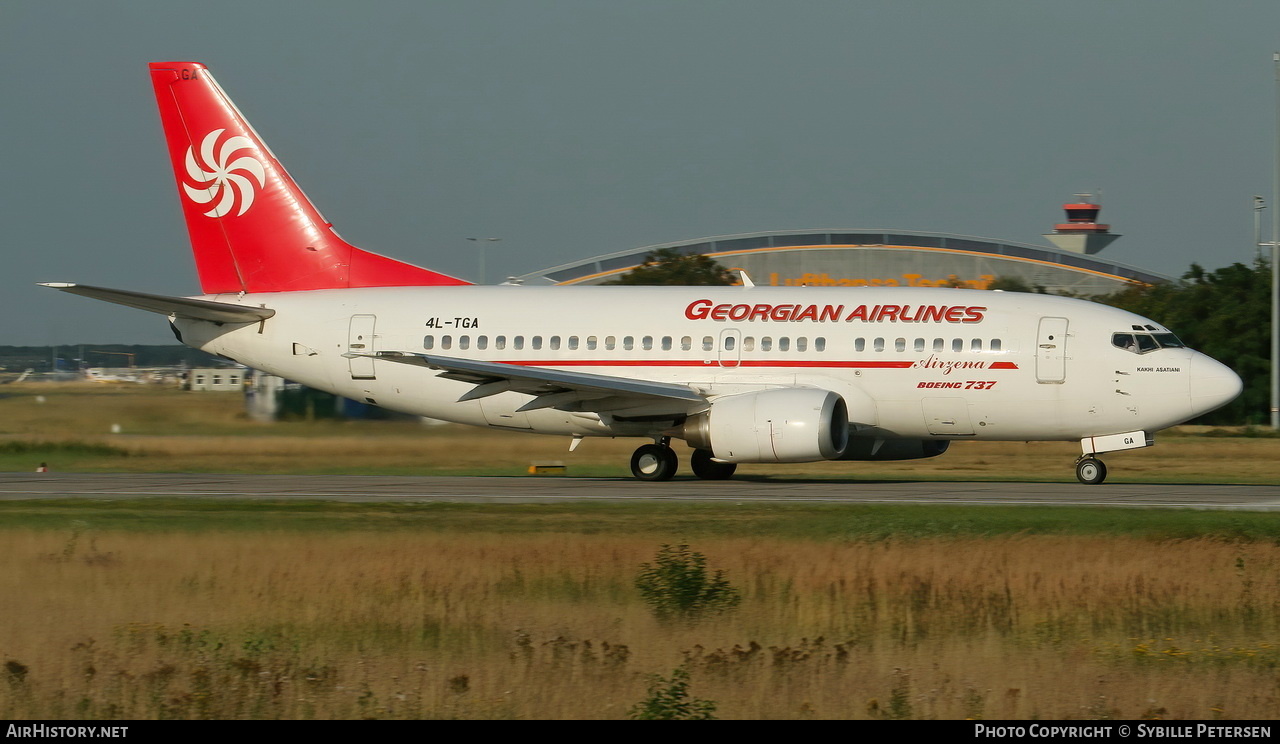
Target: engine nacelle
x=785, y=425
x=868, y=448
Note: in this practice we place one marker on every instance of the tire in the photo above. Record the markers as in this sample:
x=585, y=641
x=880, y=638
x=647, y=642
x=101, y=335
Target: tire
x=653, y=462
x=707, y=469
x=1091, y=471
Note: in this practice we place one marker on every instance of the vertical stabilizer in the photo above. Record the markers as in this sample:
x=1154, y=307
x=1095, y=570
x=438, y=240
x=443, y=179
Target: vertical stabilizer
x=252, y=229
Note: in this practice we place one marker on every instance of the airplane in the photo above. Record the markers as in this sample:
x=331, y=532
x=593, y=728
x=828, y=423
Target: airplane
x=742, y=374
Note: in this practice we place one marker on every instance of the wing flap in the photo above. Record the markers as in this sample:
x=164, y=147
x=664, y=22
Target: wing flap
x=552, y=388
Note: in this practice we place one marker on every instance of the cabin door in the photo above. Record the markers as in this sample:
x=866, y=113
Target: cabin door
x=360, y=341
x=1051, y=351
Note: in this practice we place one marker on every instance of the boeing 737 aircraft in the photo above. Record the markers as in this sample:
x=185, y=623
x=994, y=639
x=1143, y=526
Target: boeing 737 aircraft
x=742, y=374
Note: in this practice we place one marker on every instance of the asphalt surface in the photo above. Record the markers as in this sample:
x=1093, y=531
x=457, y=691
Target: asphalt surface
x=535, y=489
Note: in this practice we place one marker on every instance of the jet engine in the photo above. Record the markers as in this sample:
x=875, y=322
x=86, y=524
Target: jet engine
x=784, y=425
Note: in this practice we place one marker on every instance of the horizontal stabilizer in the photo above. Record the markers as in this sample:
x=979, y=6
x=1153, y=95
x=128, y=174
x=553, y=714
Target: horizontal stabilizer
x=182, y=307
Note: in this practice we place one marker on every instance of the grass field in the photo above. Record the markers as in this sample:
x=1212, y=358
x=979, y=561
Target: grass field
x=69, y=427
x=357, y=612
x=171, y=608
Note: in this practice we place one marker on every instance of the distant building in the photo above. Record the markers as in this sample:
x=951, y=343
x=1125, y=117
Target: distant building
x=270, y=398
x=894, y=258
x=219, y=379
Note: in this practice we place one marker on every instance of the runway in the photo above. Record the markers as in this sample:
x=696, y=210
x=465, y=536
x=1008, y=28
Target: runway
x=531, y=489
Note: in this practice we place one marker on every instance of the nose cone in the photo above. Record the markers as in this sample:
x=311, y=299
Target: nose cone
x=1213, y=384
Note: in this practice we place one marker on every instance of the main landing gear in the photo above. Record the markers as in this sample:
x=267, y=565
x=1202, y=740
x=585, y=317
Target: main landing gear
x=654, y=462
x=658, y=462
x=1090, y=470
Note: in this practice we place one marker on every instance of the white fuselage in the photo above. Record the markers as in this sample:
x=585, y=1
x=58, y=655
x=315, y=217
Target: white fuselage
x=912, y=363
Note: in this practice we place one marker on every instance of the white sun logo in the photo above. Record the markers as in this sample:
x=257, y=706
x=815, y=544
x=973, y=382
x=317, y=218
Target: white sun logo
x=221, y=177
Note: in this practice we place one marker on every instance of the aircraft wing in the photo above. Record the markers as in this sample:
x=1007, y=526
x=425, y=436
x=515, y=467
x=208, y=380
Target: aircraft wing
x=182, y=307
x=554, y=388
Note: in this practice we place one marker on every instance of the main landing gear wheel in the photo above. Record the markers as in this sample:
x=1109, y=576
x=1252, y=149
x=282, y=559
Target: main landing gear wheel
x=1090, y=471
x=654, y=462
x=707, y=469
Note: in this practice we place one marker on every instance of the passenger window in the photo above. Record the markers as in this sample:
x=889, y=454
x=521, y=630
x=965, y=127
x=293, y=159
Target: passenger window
x=573, y=343
x=939, y=344
x=464, y=342
x=976, y=345
x=610, y=343
x=646, y=343
x=518, y=343
x=996, y=345
x=429, y=343
x=784, y=344
x=708, y=343
x=919, y=344
x=957, y=344
x=500, y=342
x=628, y=343
x=802, y=344
x=766, y=344
x=749, y=343
x=555, y=343
x=860, y=345
x=482, y=342
x=729, y=343
x=819, y=344
x=900, y=344
x=686, y=343
x=878, y=345
x=537, y=343
x=591, y=343
x=446, y=342
x=666, y=343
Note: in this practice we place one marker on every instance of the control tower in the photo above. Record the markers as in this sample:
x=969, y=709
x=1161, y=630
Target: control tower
x=1081, y=233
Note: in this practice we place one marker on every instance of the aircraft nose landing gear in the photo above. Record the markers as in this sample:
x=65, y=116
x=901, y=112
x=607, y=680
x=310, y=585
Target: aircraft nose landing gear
x=1090, y=470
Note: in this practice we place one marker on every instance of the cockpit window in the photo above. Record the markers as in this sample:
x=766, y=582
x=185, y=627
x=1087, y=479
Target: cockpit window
x=1141, y=343
x=1124, y=341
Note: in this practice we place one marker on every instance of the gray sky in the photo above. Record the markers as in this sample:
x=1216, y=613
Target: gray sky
x=571, y=128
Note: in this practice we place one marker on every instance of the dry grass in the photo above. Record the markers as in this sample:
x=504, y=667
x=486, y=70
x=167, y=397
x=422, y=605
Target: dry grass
x=119, y=625
x=171, y=431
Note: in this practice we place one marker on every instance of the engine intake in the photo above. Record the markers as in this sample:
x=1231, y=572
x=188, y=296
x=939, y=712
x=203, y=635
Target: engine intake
x=785, y=425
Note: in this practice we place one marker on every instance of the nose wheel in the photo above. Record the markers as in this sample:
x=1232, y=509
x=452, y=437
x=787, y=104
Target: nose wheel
x=1090, y=470
x=654, y=462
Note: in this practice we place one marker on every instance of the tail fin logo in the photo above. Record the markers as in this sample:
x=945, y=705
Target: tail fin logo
x=218, y=176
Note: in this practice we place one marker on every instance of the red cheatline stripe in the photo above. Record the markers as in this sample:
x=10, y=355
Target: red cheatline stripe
x=731, y=363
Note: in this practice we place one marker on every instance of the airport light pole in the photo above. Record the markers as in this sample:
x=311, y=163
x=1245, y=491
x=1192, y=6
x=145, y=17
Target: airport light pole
x=1259, y=204
x=480, y=244
x=1275, y=265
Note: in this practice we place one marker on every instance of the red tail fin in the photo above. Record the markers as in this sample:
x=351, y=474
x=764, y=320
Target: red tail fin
x=252, y=229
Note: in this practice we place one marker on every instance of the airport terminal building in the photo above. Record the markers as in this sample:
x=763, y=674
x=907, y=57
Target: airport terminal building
x=894, y=258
